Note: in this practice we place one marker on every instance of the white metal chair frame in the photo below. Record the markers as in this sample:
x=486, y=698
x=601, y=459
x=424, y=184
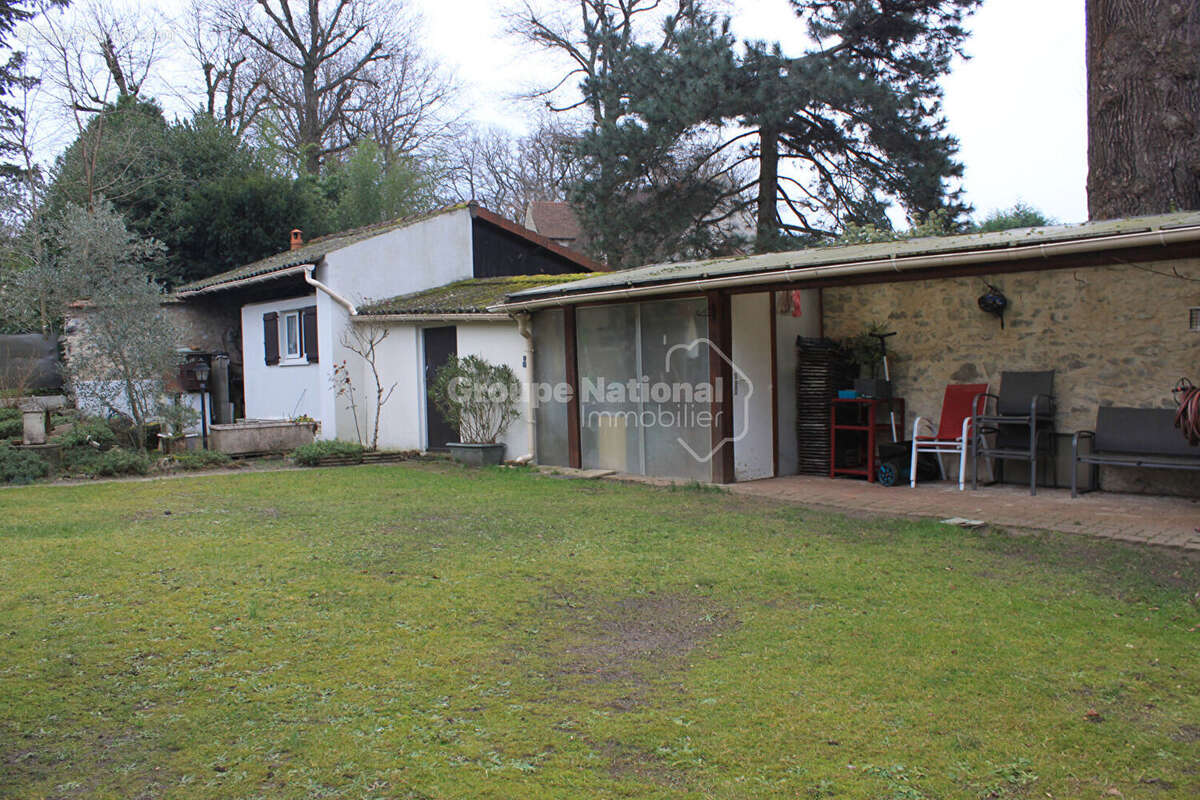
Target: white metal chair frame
x=940, y=447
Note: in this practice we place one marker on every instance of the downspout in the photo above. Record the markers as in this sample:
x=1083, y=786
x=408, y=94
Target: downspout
x=337, y=298
x=524, y=327
x=341, y=301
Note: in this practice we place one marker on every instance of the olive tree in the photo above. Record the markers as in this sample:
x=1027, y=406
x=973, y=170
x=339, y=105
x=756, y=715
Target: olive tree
x=121, y=343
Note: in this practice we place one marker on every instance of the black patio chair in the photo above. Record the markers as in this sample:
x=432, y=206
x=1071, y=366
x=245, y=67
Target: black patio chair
x=1017, y=424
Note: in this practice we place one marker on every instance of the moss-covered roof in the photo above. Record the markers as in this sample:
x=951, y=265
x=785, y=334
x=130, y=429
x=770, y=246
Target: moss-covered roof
x=472, y=296
x=312, y=252
x=798, y=261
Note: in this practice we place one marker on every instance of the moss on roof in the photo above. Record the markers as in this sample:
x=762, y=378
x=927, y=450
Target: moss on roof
x=799, y=260
x=311, y=252
x=472, y=296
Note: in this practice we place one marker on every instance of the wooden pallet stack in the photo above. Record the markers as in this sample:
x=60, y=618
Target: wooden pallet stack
x=820, y=372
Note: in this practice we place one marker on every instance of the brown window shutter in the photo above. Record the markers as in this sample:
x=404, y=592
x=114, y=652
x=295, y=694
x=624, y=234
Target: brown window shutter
x=271, y=337
x=309, y=328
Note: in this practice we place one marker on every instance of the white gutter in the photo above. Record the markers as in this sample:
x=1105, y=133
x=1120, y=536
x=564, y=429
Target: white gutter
x=337, y=298
x=892, y=263
x=524, y=327
x=417, y=319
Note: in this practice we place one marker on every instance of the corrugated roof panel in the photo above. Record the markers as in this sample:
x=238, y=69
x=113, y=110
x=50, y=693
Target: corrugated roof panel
x=844, y=254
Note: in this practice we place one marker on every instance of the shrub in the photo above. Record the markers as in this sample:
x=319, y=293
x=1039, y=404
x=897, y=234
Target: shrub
x=310, y=455
x=116, y=461
x=21, y=466
x=86, y=430
x=11, y=426
x=201, y=459
x=65, y=416
x=478, y=398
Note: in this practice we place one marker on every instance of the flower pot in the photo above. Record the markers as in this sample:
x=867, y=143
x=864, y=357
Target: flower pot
x=476, y=455
x=873, y=387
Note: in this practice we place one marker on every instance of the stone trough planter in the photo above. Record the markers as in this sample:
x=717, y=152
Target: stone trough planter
x=260, y=436
x=477, y=455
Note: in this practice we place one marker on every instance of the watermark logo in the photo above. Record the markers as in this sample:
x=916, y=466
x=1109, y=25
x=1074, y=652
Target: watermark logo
x=740, y=378
x=689, y=410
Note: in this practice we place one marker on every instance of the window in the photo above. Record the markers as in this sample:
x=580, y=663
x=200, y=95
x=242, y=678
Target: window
x=291, y=334
x=1194, y=319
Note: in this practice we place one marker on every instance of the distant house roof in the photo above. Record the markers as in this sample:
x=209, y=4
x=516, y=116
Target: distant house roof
x=294, y=261
x=557, y=220
x=472, y=296
x=930, y=253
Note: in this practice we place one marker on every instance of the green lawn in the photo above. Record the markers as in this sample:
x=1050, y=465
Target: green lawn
x=422, y=631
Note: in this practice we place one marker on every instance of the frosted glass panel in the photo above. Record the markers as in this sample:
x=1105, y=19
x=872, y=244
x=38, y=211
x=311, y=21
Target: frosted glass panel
x=550, y=371
x=642, y=374
x=676, y=427
x=607, y=342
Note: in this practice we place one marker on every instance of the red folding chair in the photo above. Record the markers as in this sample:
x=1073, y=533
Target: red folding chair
x=962, y=402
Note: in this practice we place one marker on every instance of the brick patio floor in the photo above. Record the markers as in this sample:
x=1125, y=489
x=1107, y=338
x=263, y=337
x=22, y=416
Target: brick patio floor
x=1163, y=521
x=1142, y=519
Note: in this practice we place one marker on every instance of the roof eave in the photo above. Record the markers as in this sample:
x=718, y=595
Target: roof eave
x=591, y=265
x=423, y=317
x=802, y=274
x=283, y=272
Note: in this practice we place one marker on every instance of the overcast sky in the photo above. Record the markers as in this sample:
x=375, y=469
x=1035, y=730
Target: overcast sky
x=1018, y=106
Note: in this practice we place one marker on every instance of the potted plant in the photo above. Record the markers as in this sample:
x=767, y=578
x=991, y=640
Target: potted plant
x=479, y=400
x=865, y=353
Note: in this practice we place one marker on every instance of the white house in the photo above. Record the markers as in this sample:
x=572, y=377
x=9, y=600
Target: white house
x=419, y=331
x=297, y=307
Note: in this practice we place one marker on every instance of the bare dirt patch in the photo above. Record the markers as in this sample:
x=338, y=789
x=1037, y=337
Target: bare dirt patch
x=630, y=762
x=1187, y=733
x=631, y=639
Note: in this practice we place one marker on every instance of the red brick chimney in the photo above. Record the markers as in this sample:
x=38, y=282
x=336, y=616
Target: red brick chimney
x=297, y=238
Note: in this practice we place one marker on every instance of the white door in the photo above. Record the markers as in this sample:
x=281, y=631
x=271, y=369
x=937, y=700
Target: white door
x=753, y=418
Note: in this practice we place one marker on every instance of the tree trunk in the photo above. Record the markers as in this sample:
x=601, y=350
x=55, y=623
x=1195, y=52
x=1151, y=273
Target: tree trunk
x=1143, y=107
x=310, y=126
x=767, y=213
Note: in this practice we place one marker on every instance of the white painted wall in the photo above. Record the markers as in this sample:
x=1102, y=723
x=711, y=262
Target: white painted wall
x=429, y=253
x=501, y=343
x=401, y=361
x=284, y=390
x=753, y=420
x=402, y=424
x=787, y=328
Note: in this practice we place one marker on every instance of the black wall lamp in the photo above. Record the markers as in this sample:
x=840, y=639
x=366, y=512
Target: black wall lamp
x=994, y=302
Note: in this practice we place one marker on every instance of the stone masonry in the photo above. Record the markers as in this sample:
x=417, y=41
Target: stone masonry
x=1117, y=335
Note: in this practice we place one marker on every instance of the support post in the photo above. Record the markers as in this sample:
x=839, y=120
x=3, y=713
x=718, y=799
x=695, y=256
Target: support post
x=204, y=415
x=574, y=451
x=720, y=371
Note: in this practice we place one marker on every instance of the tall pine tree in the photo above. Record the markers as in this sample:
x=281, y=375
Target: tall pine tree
x=854, y=125
x=696, y=146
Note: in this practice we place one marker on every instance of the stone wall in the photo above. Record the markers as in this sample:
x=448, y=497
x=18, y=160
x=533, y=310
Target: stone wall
x=1117, y=335
x=209, y=327
x=203, y=327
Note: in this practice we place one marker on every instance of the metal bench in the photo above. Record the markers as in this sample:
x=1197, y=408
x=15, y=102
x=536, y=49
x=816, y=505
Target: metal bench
x=1132, y=437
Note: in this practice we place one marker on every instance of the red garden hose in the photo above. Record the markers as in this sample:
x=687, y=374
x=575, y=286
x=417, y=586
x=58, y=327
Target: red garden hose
x=1187, y=418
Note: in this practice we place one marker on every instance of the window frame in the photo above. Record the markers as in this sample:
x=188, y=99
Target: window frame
x=291, y=316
